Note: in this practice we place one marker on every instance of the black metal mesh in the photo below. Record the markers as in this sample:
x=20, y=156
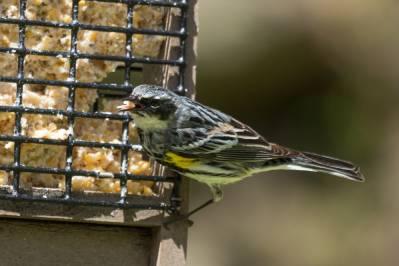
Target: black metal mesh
x=130, y=65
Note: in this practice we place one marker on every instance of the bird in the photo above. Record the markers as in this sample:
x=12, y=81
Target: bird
x=209, y=146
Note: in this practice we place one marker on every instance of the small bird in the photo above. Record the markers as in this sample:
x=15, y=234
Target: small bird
x=211, y=147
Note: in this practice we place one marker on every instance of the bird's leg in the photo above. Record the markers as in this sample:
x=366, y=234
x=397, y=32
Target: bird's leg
x=217, y=196
x=216, y=192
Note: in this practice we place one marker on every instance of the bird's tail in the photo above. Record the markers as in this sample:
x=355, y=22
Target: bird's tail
x=313, y=162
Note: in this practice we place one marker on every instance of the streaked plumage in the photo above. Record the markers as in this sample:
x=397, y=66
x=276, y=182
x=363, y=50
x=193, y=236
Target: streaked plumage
x=211, y=147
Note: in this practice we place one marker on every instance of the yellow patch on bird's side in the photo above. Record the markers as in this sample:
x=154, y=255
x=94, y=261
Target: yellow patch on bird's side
x=180, y=161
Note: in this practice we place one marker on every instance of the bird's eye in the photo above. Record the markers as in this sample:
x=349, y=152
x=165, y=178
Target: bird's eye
x=151, y=103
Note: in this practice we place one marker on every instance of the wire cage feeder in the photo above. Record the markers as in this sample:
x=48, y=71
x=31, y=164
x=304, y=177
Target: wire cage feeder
x=80, y=40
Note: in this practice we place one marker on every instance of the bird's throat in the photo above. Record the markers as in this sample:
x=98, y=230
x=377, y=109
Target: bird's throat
x=149, y=122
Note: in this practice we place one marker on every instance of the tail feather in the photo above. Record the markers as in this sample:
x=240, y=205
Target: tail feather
x=320, y=163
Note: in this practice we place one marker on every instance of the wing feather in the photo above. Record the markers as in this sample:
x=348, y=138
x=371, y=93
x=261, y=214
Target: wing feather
x=218, y=137
x=203, y=132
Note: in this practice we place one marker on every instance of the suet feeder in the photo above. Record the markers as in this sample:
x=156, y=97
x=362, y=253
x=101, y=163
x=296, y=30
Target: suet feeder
x=75, y=187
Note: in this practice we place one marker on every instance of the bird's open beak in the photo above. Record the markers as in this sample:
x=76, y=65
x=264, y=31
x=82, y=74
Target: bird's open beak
x=126, y=106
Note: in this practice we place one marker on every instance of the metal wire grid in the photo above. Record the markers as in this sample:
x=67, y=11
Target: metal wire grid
x=72, y=84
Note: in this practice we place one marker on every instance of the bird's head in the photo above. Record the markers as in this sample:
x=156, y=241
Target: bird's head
x=150, y=104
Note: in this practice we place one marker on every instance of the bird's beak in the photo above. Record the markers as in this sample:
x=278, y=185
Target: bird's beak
x=126, y=106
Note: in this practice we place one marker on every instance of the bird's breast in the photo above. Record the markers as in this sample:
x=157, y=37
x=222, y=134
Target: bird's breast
x=153, y=143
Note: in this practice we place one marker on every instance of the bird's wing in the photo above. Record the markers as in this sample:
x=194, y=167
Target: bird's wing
x=251, y=146
x=197, y=141
x=219, y=137
x=199, y=129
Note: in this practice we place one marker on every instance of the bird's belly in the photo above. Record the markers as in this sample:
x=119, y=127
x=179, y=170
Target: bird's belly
x=215, y=176
x=205, y=171
x=214, y=180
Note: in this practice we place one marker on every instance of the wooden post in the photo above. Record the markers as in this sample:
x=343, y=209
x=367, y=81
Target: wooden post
x=41, y=233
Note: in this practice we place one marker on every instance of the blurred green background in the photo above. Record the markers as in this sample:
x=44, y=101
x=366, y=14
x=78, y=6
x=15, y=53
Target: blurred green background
x=314, y=75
